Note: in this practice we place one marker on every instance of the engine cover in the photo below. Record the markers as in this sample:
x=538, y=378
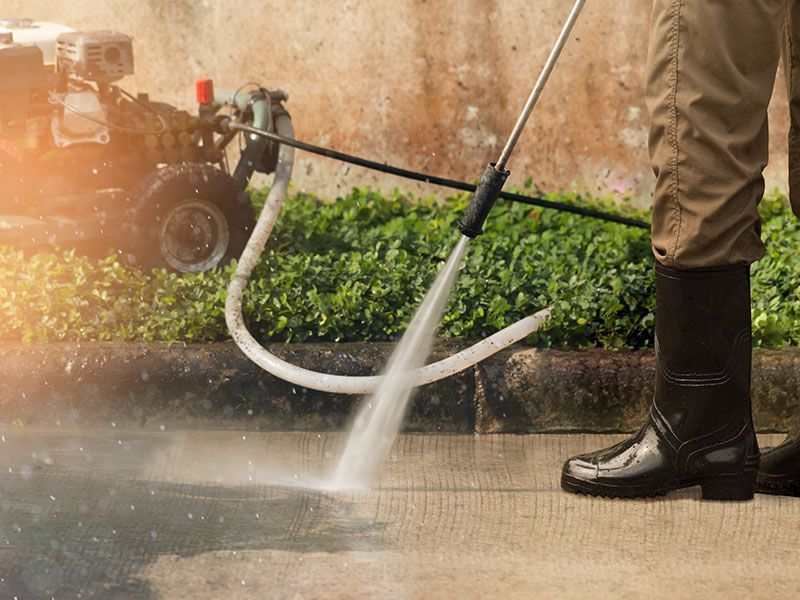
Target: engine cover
x=28, y=32
x=101, y=56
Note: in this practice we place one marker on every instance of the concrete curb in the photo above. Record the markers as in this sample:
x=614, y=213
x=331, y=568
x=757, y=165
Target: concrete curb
x=522, y=390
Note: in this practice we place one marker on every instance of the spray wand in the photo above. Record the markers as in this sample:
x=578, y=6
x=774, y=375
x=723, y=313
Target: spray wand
x=496, y=174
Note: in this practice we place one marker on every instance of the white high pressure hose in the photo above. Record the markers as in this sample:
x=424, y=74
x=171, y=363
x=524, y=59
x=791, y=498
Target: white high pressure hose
x=325, y=382
x=366, y=385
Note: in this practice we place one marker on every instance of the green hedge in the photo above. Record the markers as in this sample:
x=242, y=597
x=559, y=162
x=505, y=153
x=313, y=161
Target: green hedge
x=355, y=269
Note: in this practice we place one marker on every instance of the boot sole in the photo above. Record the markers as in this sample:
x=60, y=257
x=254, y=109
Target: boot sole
x=779, y=488
x=738, y=487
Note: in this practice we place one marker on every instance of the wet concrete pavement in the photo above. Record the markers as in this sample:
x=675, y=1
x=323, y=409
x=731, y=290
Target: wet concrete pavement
x=170, y=514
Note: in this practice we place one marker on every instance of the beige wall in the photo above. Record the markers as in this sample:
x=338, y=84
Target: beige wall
x=426, y=84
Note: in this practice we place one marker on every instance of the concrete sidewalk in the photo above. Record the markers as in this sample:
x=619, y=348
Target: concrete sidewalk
x=113, y=514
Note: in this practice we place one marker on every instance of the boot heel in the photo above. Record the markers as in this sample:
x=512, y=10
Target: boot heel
x=730, y=487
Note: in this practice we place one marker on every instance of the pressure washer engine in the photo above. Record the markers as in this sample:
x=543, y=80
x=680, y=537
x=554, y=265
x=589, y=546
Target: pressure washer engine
x=85, y=164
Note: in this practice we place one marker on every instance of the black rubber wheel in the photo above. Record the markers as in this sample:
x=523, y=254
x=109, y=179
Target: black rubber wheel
x=189, y=218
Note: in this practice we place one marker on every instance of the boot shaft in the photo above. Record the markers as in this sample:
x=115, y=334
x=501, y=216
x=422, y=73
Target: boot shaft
x=703, y=350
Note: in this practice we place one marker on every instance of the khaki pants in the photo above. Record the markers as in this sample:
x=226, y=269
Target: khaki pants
x=711, y=70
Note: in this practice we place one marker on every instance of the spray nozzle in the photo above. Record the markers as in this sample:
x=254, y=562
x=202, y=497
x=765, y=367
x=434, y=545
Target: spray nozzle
x=487, y=193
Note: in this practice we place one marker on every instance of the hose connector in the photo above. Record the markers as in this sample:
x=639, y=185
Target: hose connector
x=486, y=194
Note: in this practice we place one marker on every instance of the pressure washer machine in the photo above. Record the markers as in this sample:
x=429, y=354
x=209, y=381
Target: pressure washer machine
x=85, y=164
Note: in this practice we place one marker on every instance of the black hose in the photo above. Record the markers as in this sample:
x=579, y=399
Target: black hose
x=227, y=123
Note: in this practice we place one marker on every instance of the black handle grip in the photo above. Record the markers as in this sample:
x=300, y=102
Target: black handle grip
x=487, y=193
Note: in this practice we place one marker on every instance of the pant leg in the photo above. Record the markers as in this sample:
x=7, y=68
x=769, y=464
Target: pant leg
x=791, y=65
x=711, y=70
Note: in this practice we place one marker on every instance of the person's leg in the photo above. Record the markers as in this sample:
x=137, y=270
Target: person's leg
x=779, y=472
x=712, y=65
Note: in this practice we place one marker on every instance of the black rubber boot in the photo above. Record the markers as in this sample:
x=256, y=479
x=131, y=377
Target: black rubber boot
x=779, y=472
x=700, y=427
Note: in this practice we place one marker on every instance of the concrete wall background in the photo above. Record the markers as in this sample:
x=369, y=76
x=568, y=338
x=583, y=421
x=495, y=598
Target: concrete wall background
x=426, y=84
